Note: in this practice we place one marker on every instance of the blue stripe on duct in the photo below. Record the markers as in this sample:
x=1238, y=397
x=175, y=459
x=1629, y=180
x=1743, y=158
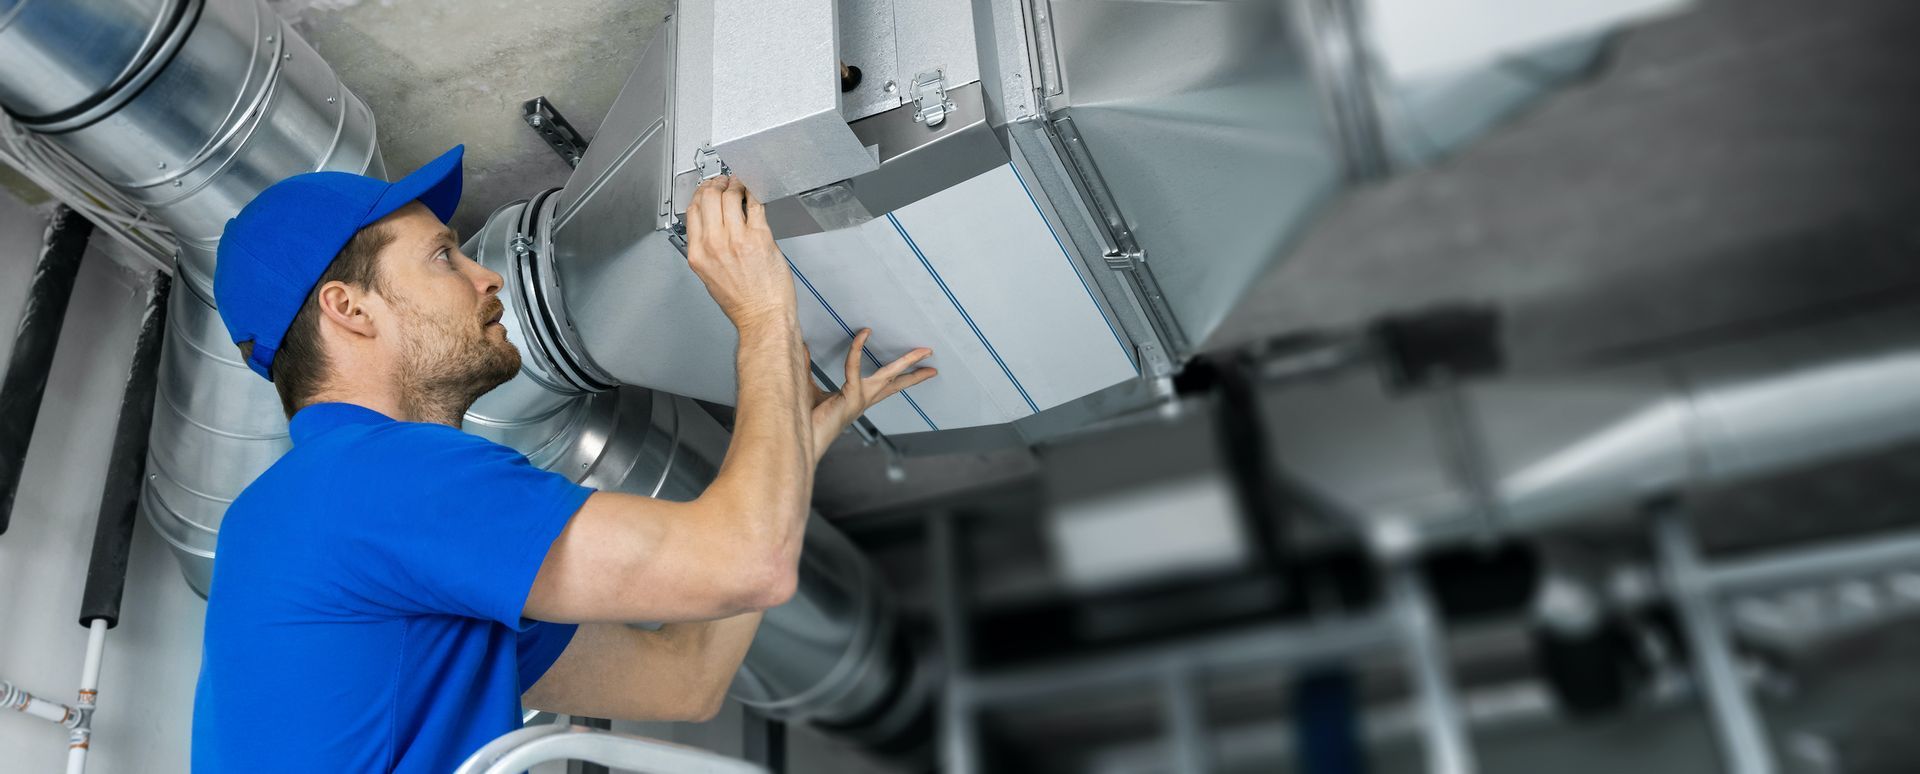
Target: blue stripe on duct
x=849, y=331
x=963, y=313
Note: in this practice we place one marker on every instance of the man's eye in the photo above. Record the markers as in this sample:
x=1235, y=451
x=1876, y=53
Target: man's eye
x=442, y=255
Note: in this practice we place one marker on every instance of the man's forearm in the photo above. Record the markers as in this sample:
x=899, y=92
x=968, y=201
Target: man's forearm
x=680, y=672
x=766, y=479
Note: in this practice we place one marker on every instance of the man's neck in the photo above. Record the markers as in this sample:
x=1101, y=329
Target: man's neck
x=401, y=403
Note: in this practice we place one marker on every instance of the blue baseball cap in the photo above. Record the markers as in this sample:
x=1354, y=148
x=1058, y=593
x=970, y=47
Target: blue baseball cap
x=273, y=253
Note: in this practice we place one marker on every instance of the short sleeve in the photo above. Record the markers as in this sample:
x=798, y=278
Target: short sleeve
x=538, y=646
x=450, y=523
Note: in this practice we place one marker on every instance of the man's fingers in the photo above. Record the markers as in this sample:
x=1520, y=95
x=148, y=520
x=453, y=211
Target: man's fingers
x=756, y=212
x=703, y=215
x=902, y=382
x=853, y=355
x=733, y=211
x=900, y=364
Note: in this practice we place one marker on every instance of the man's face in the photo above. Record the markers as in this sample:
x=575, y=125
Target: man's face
x=451, y=344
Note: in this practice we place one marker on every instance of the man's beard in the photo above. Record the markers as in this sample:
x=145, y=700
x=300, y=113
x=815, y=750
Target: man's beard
x=451, y=362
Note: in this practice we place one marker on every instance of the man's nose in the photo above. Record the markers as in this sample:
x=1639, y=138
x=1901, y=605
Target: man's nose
x=487, y=280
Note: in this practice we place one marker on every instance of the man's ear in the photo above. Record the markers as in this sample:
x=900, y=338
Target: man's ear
x=347, y=307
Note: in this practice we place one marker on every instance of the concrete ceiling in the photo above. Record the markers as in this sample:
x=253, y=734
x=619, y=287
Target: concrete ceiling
x=442, y=72
x=1748, y=159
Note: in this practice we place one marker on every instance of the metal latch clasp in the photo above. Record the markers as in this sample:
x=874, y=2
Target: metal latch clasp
x=929, y=92
x=707, y=160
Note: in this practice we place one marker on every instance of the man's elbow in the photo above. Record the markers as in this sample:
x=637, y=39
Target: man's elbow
x=709, y=708
x=770, y=587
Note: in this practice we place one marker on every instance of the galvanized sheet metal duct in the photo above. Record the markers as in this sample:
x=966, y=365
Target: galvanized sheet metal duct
x=1564, y=447
x=190, y=107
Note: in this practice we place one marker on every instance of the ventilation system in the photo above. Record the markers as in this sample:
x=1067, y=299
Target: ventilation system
x=1061, y=198
x=1061, y=217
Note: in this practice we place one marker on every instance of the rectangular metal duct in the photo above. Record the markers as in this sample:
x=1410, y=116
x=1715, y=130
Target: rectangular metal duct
x=931, y=236
x=780, y=79
x=1061, y=197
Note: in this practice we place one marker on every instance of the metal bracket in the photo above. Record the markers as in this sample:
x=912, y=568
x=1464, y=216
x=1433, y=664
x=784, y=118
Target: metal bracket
x=1121, y=252
x=929, y=92
x=676, y=229
x=553, y=128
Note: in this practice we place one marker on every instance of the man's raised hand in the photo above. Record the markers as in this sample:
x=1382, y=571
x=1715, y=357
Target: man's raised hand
x=833, y=411
x=731, y=249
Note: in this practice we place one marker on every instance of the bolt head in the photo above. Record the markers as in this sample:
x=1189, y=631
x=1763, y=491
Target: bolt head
x=535, y=120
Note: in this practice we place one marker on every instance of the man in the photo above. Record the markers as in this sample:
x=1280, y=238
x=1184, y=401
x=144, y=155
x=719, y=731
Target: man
x=391, y=590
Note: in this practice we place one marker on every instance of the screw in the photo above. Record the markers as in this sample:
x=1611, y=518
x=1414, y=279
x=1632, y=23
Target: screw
x=269, y=38
x=534, y=120
x=162, y=165
x=288, y=57
x=330, y=100
x=891, y=87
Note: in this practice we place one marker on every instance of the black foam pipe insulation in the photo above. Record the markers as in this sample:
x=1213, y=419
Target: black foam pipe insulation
x=120, y=496
x=34, y=341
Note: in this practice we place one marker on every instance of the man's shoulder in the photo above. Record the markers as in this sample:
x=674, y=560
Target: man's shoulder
x=370, y=461
x=388, y=448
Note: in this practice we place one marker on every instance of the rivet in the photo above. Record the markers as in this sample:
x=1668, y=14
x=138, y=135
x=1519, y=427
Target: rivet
x=163, y=165
x=329, y=100
x=176, y=184
x=269, y=38
x=288, y=57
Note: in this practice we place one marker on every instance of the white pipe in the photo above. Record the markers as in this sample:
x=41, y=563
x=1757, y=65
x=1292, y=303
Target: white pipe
x=82, y=735
x=20, y=701
x=90, y=671
x=77, y=741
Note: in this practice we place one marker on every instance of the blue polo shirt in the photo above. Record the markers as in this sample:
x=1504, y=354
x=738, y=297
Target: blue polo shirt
x=366, y=600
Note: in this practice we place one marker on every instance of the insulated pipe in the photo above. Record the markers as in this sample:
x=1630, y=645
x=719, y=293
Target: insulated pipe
x=1570, y=446
x=120, y=496
x=34, y=342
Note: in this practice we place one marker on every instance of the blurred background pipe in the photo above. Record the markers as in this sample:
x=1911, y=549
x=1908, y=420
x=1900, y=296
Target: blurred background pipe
x=34, y=342
x=1572, y=445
